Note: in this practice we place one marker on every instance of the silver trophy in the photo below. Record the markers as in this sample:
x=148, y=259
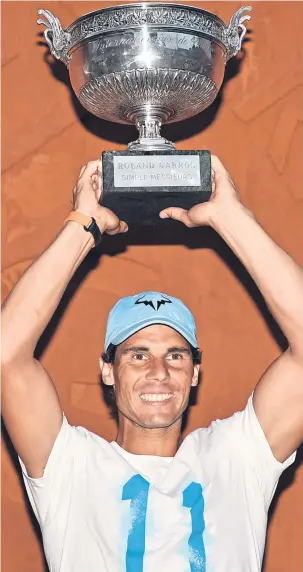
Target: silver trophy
x=147, y=64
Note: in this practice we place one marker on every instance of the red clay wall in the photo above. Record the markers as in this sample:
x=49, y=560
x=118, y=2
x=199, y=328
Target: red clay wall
x=257, y=132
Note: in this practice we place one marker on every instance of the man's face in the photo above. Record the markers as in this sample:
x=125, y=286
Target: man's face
x=152, y=376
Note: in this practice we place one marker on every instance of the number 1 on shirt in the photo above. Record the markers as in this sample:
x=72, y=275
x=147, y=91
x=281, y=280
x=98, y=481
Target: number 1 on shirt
x=136, y=490
x=193, y=499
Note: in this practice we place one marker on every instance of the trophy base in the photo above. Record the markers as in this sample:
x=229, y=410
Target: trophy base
x=138, y=185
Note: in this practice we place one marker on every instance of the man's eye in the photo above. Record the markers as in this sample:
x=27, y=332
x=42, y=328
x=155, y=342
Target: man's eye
x=175, y=356
x=139, y=357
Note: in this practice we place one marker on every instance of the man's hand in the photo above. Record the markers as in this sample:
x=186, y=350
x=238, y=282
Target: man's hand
x=86, y=195
x=224, y=196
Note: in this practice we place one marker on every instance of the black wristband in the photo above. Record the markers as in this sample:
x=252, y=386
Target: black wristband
x=94, y=230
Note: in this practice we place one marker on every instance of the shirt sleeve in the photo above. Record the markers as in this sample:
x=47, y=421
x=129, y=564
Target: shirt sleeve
x=247, y=441
x=56, y=476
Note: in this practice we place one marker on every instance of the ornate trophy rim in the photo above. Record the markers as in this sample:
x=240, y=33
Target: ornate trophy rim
x=149, y=4
x=201, y=21
x=63, y=42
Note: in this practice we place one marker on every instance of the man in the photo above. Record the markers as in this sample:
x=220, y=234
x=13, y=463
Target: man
x=147, y=502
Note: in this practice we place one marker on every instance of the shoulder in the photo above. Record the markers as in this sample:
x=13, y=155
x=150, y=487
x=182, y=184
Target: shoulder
x=83, y=437
x=220, y=427
x=240, y=437
x=224, y=437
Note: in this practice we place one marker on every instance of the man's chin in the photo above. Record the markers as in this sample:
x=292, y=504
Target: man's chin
x=158, y=421
x=152, y=419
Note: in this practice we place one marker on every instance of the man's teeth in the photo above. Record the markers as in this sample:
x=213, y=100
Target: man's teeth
x=155, y=396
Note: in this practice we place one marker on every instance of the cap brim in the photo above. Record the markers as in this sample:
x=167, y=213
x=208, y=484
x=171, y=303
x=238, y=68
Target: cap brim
x=130, y=330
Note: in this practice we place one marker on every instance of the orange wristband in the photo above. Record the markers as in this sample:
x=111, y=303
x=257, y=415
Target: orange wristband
x=88, y=222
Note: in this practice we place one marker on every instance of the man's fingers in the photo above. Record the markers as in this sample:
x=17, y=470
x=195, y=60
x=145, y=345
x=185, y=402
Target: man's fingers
x=114, y=225
x=217, y=165
x=98, y=186
x=123, y=226
x=120, y=228
x=90, y=169
x=177, y=214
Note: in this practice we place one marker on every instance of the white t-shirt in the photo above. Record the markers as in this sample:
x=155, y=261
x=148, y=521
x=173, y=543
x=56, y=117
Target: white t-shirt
x=102, y=509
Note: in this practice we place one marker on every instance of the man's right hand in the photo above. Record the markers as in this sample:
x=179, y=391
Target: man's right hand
x=86, y=196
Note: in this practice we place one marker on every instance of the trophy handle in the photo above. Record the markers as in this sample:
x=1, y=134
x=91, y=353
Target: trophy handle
x=57, y=39
x=233, y=39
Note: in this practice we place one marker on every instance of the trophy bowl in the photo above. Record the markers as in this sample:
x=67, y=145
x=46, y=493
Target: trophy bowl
x=147, y=64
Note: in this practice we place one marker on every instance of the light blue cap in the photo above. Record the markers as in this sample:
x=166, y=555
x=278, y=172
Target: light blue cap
x=133, y=313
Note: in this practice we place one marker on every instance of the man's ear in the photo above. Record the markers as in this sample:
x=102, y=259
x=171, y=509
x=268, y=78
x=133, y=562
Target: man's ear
x=106, y=372
x=195, y=378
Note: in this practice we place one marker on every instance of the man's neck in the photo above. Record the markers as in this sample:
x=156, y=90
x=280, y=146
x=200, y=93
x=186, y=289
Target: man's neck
x=137, y=440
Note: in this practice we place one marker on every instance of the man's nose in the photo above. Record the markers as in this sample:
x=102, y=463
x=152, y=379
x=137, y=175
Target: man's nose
x=158, y=370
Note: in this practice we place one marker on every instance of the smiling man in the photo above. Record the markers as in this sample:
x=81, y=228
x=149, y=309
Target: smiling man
x=150, y=502
x=151, y=359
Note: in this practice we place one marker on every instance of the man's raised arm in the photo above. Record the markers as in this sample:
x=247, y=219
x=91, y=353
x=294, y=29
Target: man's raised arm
x=30, y=404
x=278, y=398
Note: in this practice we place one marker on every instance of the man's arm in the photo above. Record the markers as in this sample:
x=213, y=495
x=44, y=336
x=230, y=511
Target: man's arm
x=30, y=404
x=278, y=397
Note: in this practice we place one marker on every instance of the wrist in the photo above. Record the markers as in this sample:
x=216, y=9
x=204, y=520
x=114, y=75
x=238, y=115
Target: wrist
x=77, y=233
x=93, y=214
x=87, y=222
x=227, y=214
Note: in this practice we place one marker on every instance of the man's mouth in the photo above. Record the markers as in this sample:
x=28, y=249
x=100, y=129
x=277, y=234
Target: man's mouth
x=155, y=397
